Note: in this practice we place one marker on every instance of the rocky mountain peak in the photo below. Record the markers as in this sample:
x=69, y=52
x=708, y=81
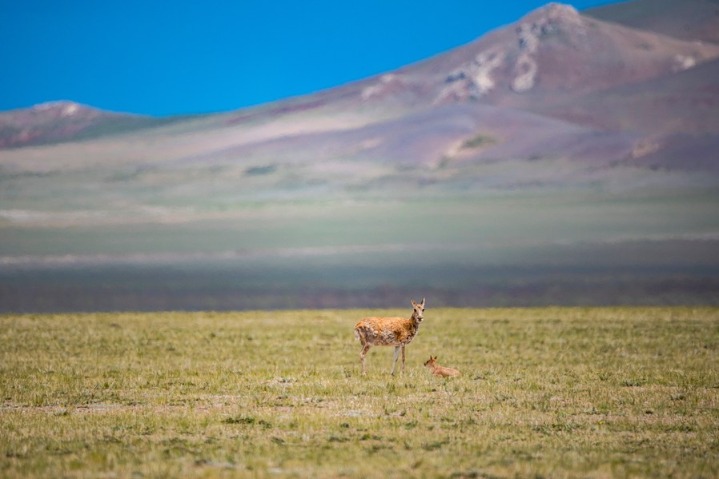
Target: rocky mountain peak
x=552, y=18
x=556, y=13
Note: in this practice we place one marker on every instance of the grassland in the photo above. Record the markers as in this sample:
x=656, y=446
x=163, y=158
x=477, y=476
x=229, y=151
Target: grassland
x=550, y=392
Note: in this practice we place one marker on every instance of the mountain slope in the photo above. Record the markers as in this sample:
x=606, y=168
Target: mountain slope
x=693, y=20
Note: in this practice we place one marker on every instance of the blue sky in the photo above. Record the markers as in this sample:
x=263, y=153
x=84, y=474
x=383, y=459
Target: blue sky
x=166, y=58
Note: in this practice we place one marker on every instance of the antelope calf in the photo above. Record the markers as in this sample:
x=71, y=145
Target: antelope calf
x=438, y=370
x=397, y=332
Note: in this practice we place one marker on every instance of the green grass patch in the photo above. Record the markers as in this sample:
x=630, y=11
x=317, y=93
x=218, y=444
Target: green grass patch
x=551, y=392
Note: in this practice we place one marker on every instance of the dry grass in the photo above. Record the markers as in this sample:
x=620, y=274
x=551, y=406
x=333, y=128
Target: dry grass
x=543, y=393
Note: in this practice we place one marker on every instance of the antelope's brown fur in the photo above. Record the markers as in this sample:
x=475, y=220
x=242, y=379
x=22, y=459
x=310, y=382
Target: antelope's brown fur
x=438, y=370
x=392, y=331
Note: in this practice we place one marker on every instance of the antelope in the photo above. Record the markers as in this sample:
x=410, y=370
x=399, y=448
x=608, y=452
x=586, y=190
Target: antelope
x=438, y=370
x=397, y=332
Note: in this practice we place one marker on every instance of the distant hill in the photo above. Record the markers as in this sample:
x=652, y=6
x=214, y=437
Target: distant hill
x=63, y=121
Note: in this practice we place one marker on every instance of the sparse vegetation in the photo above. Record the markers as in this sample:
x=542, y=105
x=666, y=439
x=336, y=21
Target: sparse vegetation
x=478, y=141
x=550, y=392
x=260, y=170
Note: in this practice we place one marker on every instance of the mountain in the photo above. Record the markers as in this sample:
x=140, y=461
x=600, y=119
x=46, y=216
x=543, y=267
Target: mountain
x=588, y=76
x=693, y=20
x=558, y=153
x=552, y=53
x=61, y=121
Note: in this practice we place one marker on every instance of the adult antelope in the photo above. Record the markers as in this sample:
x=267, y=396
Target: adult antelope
x=397, y=332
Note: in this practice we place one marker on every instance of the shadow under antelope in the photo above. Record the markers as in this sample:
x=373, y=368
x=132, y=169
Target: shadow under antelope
x=438, y=370
x=397, y=332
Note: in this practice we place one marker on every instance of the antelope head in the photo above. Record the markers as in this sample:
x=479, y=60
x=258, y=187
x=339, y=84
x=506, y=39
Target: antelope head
x=431, y=361
x=418, y=313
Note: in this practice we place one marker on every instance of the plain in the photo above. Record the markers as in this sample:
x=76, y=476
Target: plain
x=546, y=392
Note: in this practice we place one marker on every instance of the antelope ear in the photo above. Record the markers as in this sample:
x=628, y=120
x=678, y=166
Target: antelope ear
x=413, y=303
x=422, y=302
